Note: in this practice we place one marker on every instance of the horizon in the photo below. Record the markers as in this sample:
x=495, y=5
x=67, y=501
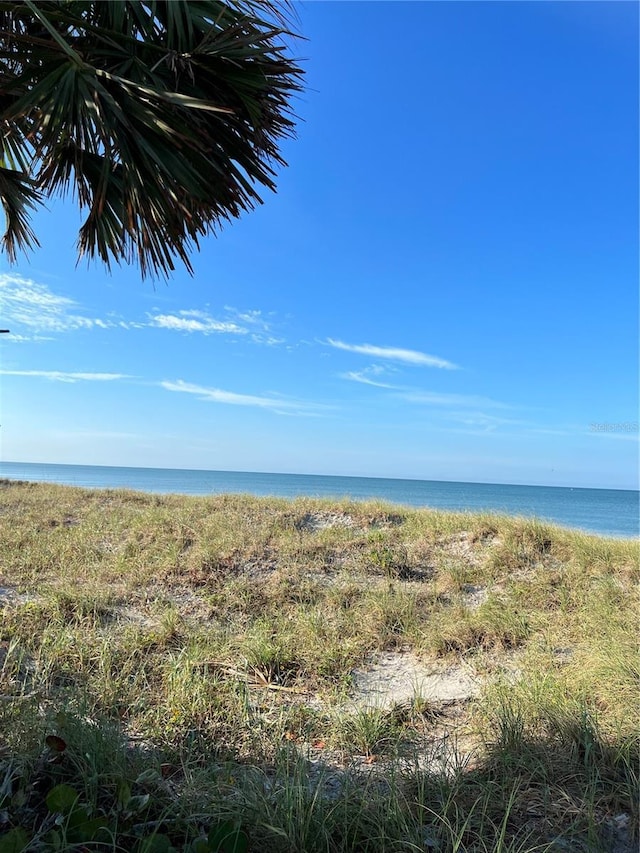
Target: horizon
x=443, y=288
x=313, y=474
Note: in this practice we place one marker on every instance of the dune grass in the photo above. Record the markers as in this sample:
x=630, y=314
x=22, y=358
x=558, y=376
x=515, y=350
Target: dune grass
x=176, y=673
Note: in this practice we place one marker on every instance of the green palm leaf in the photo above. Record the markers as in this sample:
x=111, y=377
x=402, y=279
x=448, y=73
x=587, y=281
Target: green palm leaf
x=162, y=118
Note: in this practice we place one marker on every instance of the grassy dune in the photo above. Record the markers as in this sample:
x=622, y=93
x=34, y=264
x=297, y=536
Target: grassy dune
x=182, y=673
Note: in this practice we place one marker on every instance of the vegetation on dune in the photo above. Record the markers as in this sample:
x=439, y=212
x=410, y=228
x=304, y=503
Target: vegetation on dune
x=179, y=673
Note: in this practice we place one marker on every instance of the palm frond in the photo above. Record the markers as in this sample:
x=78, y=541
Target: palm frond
x=162, y=118
x=18, y=196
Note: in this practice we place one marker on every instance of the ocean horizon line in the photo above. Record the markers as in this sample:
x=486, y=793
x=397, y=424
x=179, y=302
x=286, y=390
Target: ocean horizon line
x=608, y=512
x=319, y=475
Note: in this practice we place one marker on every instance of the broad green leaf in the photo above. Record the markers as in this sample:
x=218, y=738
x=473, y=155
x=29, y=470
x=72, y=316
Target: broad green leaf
x=236, y=844
x=219, y=832
x=77, y=816
x=61, y=799
x=86, y=830
x=54, y=839
x=124, y=794
x=226, y=837
x=156, y=844
x=138, y=803
x=14, y=841
x=147, y=776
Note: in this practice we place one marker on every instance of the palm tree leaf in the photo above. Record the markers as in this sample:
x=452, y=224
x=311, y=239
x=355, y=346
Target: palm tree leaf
x=162, y=117
x=18, y=196
x=185, y=101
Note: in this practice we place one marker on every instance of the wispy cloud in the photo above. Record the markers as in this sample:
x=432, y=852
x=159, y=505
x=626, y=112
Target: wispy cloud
x=370, y=376
x=34, y=307
x=63, y=376
x=279, y=405
x=481, y=422
x=459, y=406
x=268, y=340
x=32, y=311
x=196, y=321
x=258, y=326
x=459, y=401
x=407, y=356
x=27, y=339
x=251, y=317
x=251, y=324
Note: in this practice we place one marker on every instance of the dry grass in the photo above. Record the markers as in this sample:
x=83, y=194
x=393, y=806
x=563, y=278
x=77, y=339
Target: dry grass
x=202, y=640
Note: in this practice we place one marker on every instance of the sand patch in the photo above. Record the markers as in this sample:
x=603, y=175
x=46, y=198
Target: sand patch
x=395, y=678
x=315, y=521
x=462, y=547
x=10, y=595
x=474, y=595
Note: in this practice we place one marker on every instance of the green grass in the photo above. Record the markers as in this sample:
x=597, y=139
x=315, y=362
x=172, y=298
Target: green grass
x=185, y=665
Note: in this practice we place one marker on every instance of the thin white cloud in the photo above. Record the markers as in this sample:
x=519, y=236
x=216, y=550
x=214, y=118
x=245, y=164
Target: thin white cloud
x=27, y=339
x=464, y=401
x=257, y=325
x=249, y=323
x=34, y=307
x=232, y=398
x=125, y=324
x=456, y=403
x=370, y=376
x=353, y=376
x=64, y=376
x=250, y=317
x=407, y=356
x=195, y=321
x=484, y=422
x=31, y=310
x=268, y=340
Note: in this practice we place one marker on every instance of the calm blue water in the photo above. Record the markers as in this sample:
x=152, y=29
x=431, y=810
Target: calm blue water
x=610, y=512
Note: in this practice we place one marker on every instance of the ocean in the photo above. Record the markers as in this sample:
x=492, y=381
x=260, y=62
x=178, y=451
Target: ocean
x=608, y=512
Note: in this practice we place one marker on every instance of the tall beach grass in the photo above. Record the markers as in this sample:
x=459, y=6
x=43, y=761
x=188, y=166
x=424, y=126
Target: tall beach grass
x=178, y=673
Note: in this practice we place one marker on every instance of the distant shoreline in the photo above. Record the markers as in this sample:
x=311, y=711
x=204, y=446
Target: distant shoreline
x=601, y=512
x=229, y=471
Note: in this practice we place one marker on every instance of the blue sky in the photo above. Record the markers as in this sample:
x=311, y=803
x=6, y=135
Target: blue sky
x=444, y=286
